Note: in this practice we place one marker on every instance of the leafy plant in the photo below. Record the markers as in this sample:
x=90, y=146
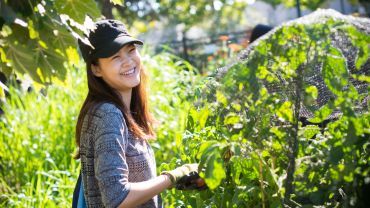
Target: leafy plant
x=37, y=142
x=250, y=135
x=38, y=38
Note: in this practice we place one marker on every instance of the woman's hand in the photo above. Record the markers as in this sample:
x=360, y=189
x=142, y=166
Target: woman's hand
x=186, y=177
x=181, y=171
x=191, y=182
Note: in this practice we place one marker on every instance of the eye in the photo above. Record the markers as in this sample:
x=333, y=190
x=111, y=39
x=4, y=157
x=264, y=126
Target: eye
x=115, y=57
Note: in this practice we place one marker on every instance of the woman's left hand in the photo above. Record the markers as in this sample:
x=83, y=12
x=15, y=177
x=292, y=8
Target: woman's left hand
x=192, y=181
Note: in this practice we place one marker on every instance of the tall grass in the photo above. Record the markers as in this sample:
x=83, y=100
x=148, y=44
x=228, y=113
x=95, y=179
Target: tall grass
x=37, y=132
x=37, y=140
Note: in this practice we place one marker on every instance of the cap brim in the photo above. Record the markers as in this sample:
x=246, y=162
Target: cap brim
x=114, y=46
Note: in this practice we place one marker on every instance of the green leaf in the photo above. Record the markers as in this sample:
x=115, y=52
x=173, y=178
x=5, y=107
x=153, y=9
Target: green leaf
x=336, y=154
x=22, y=59
x=77, y=9
x=321, y=114
x=210, y=154
x=236, y=106
x=335, y=72
x=205, y=146
x=214, y=171
x=285, y=112
x=312, y=91
x=221, y=98
x=311, y=176
x=361, y=77
x=72, y=55
x=2, y=88
x=275, y=130
x=117, y=2
x=50, y=63
x=262, y=72
x=203, y=116
x=231, y=118
x=236, y=168
x=56, y=36
x=32, y=31
x=348, y=178
x=310, y=130
x=363, y=54
x=362, y=42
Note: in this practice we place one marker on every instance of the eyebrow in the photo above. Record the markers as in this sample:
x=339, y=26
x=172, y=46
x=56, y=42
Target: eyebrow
x=131, y=45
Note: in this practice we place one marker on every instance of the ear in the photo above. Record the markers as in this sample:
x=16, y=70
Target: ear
x=96, y=70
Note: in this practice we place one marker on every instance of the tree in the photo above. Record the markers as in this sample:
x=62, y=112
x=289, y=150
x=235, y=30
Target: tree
x=38, y=37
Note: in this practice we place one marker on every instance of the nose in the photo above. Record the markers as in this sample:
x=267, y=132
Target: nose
x=126, y=59
x=127, y=62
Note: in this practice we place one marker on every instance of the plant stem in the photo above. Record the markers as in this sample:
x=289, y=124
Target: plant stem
x=261, y=183
x=293, y=138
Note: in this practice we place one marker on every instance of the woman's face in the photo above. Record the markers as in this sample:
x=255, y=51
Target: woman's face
x=122, y=70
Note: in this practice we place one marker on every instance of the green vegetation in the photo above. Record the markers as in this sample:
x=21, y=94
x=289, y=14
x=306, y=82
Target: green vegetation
x=252, y=146
x=37, y=131
x=246, y=129
x=38, y=38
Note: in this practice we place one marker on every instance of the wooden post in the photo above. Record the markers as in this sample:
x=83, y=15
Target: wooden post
x=299, y=8
x=342, y=7
x=185, y=47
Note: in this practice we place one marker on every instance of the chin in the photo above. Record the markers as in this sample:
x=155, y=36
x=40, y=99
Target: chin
x=135, y=83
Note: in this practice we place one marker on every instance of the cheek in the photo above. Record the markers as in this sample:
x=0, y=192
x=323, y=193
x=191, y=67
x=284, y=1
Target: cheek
x=114, y=65
x=137, y=57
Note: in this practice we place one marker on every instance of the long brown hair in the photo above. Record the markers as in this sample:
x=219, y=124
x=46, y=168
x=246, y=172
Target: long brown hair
x=139, y=121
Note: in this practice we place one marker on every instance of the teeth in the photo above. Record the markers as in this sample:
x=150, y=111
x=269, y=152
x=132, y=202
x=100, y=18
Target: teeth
x=129, y=72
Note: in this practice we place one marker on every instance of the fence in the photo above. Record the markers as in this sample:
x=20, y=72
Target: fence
x=200, y=52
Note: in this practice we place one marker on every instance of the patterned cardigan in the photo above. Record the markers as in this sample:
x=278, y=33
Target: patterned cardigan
x=111, y=158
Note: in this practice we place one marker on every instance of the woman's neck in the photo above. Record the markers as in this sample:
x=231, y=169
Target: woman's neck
x=126, y=98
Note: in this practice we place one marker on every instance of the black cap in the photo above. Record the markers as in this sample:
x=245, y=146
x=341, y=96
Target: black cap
x=108, y=37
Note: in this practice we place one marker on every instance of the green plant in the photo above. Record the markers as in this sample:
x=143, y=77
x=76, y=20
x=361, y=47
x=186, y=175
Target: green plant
x=247, y=133
x=37, y=142
x=37, y=37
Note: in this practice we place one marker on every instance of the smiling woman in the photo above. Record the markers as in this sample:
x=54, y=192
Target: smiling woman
x=121, y=71
x=114, y=125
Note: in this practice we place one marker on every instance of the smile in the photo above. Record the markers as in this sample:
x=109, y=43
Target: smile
x=129, y=72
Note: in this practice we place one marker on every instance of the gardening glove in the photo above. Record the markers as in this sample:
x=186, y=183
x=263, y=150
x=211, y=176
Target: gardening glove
x=186, y=175
x=192, y=181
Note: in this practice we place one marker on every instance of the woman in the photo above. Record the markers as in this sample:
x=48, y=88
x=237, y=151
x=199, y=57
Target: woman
x=114, y=125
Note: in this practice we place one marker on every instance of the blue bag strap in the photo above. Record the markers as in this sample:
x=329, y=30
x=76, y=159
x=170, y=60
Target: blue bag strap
x=78, y=200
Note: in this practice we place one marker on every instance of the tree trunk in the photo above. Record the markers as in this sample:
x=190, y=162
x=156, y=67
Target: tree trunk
x=107, y=9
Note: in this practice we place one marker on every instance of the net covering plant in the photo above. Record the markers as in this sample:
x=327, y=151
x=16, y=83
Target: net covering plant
x=287, y=124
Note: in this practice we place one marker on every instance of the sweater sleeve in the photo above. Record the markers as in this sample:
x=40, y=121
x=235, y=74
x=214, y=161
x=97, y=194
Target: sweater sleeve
x=111, y=169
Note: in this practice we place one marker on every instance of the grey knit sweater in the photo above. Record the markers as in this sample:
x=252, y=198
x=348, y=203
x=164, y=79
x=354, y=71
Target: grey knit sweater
x=111, y=158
